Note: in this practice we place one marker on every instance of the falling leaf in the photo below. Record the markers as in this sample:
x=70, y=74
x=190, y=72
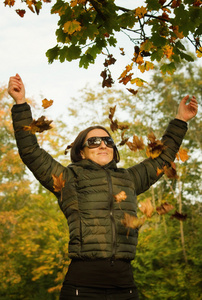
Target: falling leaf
x=68, y=147
x=132, y=221
x=170, y=172
x=164, y=208
x=132, y=91
x=123, y=139
x=120, y=196
x=123, y=126
x=9, y=2
x=58, y=182
x=178, y=216
x=39, y=125
x=146, y=208
x=20, y=12
x=122, y=51
x=112, y=112
x=182, y=154
x=46, y=103
x=137, y=144
x=155, y=147
x=159, y=171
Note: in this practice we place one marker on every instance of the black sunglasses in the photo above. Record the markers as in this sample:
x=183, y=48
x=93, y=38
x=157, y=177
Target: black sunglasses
x=95, y=142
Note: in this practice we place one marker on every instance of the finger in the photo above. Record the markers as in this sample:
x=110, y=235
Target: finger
x=184, y=100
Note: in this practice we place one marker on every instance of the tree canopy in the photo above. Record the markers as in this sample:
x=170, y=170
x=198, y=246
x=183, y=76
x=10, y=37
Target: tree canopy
x=156, y=31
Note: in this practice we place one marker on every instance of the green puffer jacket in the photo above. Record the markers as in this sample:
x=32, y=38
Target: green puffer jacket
x=93, y=215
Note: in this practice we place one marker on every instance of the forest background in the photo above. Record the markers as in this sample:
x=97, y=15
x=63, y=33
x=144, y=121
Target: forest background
x=33, y=231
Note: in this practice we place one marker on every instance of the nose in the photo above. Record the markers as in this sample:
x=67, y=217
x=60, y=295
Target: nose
x=102, y=145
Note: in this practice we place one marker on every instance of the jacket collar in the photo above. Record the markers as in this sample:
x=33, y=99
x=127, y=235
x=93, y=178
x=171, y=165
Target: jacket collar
x=89, y=164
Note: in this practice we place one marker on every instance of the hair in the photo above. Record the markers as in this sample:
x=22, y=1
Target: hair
x=75, y=153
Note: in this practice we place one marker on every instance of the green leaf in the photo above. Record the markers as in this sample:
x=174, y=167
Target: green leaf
x=85, y=61
x=153, y=4
x=112, y=41
x=52, y=54
x=158, y=40
x=157, y=55
x=127, y=20
x=168, y=68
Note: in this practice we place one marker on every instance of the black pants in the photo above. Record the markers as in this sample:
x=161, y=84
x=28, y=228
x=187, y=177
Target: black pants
x=79, y=293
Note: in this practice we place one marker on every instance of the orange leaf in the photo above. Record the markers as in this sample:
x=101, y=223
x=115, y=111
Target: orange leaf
x=46, y=103
x=146, y=208
x=132, y=221
x=137, y=143
x=120, y=196
x=159, y=171
x=58, y=182
x=182, y=154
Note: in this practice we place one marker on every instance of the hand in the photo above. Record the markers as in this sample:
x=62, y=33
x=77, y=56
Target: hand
x=16, y=89
x=187, y=111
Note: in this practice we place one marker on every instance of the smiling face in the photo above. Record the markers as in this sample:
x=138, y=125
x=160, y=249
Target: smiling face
x=101, y=155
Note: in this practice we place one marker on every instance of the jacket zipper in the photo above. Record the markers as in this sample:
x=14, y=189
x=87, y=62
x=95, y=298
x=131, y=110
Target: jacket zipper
x=111, y=203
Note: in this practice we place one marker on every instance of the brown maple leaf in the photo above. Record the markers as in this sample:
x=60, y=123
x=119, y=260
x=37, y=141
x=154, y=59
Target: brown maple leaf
x=170, y=172
x=110, y=61
x=120, y=196
x=20, y=12
x=107, y=79
x=137, y=144
x=179, y=216
x=68, y=147
x=155, y=147
x=46, y=103
x=112, y=112
x=146, y=208
x=123, y=139
x=132, y=91
x=38, y=125
x=164, y=208
x=58, y=182
x=132, y=221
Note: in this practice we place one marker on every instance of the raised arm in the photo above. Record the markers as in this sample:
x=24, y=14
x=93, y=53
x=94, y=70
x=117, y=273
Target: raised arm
x=16, y=89
x=145, y=173
x=187, y=111
x=42, y=165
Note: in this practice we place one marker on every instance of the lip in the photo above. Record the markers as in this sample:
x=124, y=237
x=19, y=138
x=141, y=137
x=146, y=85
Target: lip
x=102, y=153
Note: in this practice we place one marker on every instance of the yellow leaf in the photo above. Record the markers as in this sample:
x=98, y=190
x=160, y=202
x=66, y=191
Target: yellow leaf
x=71, y=26
x=146, y=66
x=199, y=52
x=137, y=81
x=140, y=12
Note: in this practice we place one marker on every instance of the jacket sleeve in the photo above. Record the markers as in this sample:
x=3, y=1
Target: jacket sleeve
x=145, y=173
x=41, y=164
